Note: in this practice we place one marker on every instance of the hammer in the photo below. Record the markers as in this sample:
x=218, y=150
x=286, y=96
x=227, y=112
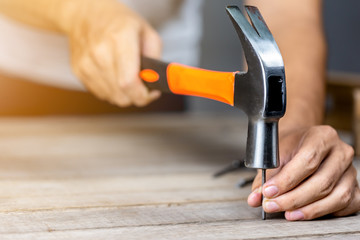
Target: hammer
x=260, y=92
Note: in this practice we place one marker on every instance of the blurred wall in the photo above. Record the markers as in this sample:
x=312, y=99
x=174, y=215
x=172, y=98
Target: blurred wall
x=342, y=25
x=221, y=49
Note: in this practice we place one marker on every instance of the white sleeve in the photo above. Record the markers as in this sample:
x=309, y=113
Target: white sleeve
x=35, y=55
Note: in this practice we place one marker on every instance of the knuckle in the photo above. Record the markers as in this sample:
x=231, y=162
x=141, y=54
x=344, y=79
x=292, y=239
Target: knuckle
x=124, y=84
x=288, y=180
x=337, y=214
x=312, y=213
x=353, y=173
x=291, y=204
x=329, y=131
x=312, y=161
x=325, y=187
x=100, y=54
x=349, y=152
x=346, y=196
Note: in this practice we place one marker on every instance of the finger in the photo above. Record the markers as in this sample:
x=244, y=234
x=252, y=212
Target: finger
x=99, y=81
x=315, y=145
x=353, y=207
x=151, y=44
x=254, y=199
x=318, y=186
x=103, y=58
x=87, y=71
x=338, y=199
x=127, y=57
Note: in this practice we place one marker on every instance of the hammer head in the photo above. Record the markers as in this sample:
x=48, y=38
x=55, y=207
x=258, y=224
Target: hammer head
x=260, y=92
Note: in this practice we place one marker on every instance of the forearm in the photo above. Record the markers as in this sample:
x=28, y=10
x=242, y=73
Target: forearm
x=53, y=15
x=297, y=28
x=39, y=13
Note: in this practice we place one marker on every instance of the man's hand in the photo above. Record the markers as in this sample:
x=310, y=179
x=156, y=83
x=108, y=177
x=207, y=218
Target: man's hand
x=107, y=40
x=315, y=178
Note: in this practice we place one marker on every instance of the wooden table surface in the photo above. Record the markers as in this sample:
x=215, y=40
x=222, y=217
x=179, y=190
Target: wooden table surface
x=135, y=177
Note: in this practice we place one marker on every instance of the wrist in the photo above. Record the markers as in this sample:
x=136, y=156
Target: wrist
x=73, y=13
x=300, y=118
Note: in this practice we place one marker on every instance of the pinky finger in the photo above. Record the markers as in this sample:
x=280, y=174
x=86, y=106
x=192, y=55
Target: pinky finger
x=353, y=207
x=340, y=198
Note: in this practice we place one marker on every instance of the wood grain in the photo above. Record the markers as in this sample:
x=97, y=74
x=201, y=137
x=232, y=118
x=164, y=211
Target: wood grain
x=135, y=177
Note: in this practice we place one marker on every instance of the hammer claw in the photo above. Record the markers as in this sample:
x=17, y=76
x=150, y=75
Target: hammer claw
x=246, y=31
x=258, y=22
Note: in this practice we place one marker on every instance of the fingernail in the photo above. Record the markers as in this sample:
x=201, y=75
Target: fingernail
x=253, y=194
x=270, y=191
x=270, y=206
x=296, y=215
x=251, y=197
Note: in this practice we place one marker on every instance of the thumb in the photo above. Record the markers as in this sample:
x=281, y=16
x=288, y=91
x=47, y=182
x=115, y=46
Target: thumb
x=257, y=181
x=151, y=43
x=254, y=198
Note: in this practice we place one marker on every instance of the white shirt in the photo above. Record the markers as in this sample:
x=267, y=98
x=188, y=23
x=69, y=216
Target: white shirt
x=44, y=57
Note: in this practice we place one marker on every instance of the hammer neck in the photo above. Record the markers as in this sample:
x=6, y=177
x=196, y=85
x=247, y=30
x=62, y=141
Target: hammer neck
x=262, y=149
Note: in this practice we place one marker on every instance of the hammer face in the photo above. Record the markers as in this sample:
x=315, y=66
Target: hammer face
x=261, y=91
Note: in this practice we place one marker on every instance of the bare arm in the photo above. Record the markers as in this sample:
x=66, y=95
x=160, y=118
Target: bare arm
x=106, y=40
x=316, y=176
x=39, y=13
x=297, y=28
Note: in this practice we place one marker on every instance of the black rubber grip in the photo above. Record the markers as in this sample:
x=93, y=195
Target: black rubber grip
x=161, y=69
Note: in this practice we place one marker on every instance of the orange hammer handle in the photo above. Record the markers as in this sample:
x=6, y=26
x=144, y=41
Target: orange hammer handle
x=184, y=80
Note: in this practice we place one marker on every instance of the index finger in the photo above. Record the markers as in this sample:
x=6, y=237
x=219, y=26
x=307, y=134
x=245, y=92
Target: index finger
x=314, y=147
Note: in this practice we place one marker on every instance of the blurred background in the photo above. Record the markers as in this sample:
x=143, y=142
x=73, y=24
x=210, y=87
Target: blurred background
x=220, y=51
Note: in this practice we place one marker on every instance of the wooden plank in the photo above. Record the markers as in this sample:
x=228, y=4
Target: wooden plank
x=120, y=217
x=114, y=146
x=135, y=178
x=64, y=200
x=246, y=229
